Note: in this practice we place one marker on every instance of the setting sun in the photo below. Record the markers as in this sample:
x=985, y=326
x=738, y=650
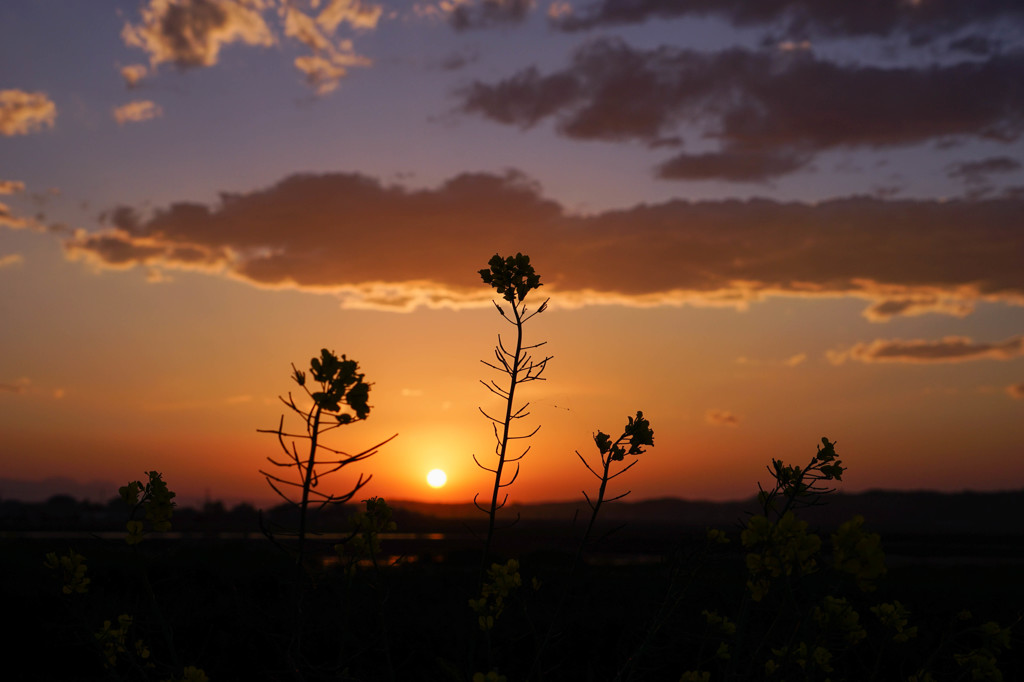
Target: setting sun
x=436, y=478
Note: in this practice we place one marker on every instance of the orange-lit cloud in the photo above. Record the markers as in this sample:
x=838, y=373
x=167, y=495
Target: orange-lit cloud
x=8, y=219
x=1016, y=391
x=10, y=259
x=393, y=247
x=23, y=112
x=331, y=59
x=191, y=33
x=137, y=111
x=770, y=112
x=133, y=73
x=949, y=349
x=357, y=14
x=721, y=418
x=11, y=186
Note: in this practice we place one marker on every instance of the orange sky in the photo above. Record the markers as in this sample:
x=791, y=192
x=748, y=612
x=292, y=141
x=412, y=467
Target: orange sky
x=746, y=226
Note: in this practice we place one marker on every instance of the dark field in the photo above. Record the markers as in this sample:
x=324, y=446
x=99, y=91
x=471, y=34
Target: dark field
x=634, y=609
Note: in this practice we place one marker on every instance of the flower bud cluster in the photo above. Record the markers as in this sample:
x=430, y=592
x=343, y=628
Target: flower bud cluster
x=502, y=580
x=72, y=567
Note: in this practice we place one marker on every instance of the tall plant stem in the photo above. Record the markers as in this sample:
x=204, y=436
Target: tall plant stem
x=514, y=374
x=307, y=481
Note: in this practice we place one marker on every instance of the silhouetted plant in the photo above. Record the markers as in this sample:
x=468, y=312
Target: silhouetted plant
x=363, y=544
x=339, y=397
x=635, y=435
x=514, y=278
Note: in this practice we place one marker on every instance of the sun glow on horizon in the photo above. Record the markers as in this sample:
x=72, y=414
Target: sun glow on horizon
x=436, y=478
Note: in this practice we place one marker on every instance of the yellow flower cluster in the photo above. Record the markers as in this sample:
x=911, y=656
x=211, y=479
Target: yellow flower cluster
x=780, y=548
x=858, y=553
x=696, y=676
x=819, y=658
x=72, y=567
x=836, y=615
x=157, y=500
x=720, y=623
x=113, y=641
x=717, y=537
x=502, y=580
x=894, y=616
x=367, y=527
x=492, y=676
x=190, y=674
x=981, y=661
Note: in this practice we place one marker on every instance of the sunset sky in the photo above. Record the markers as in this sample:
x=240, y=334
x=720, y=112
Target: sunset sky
x=759, y=223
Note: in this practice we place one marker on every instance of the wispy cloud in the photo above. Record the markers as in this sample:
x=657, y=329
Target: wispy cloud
x=137, y=111
x=338, y=233
x=721, y=418
x=949, y=349
x=9, y=259
x=20, y=385
x=795, y=360
x=23, y=112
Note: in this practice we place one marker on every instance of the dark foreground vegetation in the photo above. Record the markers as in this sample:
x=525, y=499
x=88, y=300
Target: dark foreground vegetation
x=635, y=607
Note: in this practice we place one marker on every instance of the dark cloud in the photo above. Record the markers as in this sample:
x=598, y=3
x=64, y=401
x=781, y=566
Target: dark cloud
x=391, y=246
x=484, y=13
x=734, y=166
x=921, y=21
x=979, y=171
x=459, y=60
x=769, y=111
x=949, y=349
x=978, y=45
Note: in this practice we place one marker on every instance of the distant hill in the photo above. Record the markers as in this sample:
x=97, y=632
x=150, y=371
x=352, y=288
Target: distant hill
x=883, y=510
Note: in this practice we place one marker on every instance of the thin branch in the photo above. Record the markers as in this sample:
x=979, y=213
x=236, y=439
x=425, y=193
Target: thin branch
x=493, y=471
x=586, y=464
x=514, y=477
